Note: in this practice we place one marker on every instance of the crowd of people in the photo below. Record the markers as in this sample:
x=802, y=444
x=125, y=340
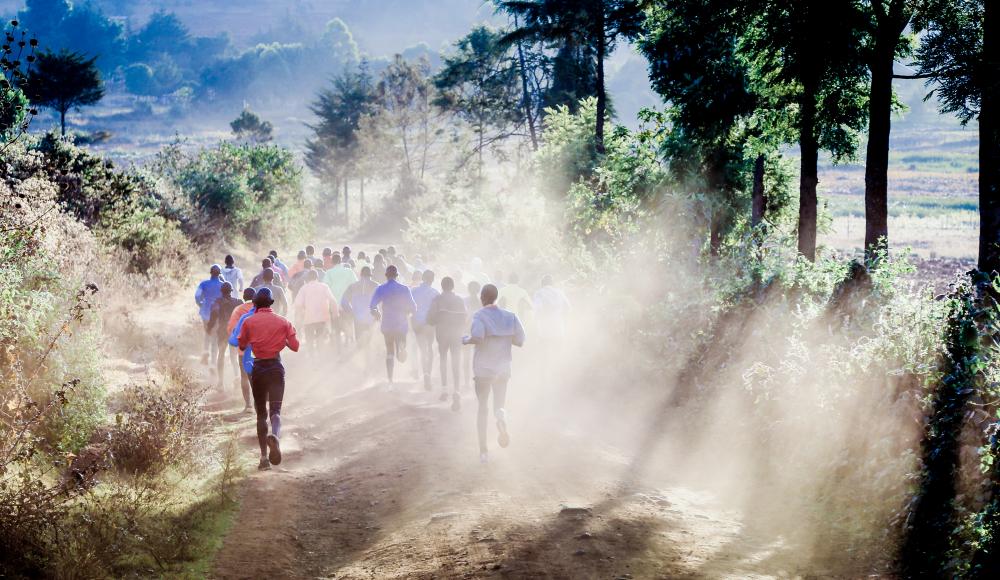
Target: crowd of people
x=336, y=302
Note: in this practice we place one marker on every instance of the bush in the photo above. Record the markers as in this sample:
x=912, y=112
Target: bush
x=155, y=427
x=249, y=191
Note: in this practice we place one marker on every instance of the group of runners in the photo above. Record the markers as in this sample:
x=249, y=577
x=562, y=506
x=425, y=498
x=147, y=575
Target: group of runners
x=338, y=299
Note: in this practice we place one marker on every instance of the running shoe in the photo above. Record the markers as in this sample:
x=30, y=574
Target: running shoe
x=484, y=458
x=248, y=409
x=264, y=465
x=273, y=450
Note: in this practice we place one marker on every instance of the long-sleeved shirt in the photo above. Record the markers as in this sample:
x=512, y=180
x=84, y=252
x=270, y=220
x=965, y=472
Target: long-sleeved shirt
x=297, y=267
x=339, y=278
x=423, y=295
x=267, y=334
x=280, y=298
x=280, y=266
x=238, y=312
x=205, y=296
x=494, y=332
x=235, y=277
x=397, y=304
x=357, y=299
x=315, y=303
x=447, y=314
x=246, y=355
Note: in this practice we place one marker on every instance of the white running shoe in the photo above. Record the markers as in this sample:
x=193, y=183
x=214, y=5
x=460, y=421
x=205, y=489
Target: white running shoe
x=484, y=458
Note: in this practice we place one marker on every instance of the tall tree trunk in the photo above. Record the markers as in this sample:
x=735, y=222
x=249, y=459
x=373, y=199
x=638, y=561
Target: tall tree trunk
x=889, y=26
x=347, y=212
x=361, y=199
x=759, y=199
x=602, y=96
x=336, y=199
x=529, y=115
x=809, y=178
x=989, y=144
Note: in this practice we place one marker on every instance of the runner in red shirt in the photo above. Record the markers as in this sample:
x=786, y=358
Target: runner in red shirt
x=267, y=334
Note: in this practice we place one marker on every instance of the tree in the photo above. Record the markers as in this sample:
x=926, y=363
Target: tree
x=960, y=55
x=405, y=96
x=333, y=153
x=807, y=56
x=249, y=126
x=580, y=24
x=886, y=20
x=16, y=56
x=63, y=81
x=691, y=46
x=479, y=84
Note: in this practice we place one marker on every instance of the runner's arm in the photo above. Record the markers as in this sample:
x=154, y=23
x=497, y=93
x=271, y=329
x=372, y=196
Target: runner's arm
x=199, y=294
x=243, y=338
x=518, y=332
x=290, y=339
x=477, y=334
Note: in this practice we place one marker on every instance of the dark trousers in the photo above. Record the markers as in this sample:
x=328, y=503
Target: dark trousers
x=268, y=384
x=452, y=347
x=483, y=387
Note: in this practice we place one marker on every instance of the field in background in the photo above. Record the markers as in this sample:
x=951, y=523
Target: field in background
x=933, y=194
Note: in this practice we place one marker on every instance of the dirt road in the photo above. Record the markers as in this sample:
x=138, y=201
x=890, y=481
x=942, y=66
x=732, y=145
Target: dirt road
x=388, y=485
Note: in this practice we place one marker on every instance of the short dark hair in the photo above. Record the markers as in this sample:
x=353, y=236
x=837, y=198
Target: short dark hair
x=266, y=263
x=489, y=294
x=366, y=272
x=301, y=255
x=447, y=283
x=267, y=274
x=427, y=276
x=226, y=288
x=328, y=251
x=248, y=294
x=229, y=261
x=391, y=272
x=312, y=275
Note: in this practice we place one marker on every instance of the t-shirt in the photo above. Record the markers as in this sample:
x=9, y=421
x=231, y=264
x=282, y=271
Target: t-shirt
x=235, y=277
x=397, y=305
x=357, y=299
x=221, y=311
x=448, y=316
x=423, y=295
x=314, y=304
x=497, y=330
x=339, y=279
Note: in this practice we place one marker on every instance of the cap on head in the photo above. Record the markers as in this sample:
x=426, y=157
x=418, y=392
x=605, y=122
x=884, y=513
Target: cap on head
x=215, y=270
x=427, y=277
x=226, y=289
x=447, y=284
x=391, y=272
x=273, y=253
x=248, y=294
x=263, y=298
x=489, y=294
x=230, y=261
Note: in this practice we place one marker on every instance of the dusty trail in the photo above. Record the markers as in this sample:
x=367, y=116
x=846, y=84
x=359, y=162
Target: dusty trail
x=388, y=485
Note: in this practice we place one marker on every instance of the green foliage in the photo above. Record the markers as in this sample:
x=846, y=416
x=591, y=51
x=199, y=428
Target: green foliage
x=480, y=85
x=63, y=81
x=249, y=126
x=569, y=153
x=18, y=54
x=335, y=149
x=951, y=54
x=247, y=191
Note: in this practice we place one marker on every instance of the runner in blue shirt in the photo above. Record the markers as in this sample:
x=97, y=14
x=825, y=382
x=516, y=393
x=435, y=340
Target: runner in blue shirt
x=397, y=305
x=423, y=296
x=205, y=296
